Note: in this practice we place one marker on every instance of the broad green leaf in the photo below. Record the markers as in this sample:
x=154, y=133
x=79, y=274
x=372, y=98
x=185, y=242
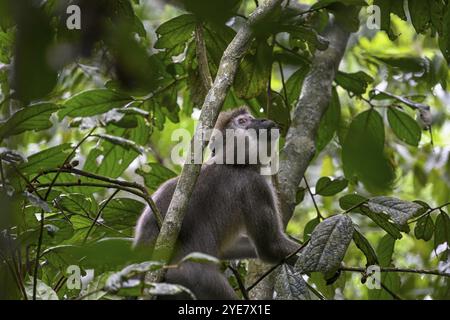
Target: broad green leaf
x=404, y=127
x=92, y=102
x=329, y=123
x=356, y=83
x=366, y=248
x=398, y=210
x=254, y=72
x=78, y=203
x=122, y=212
x=309, y=228
x=390, y=280
x=420, y=14
x=157, y=175
x=51, y=158
x=309, y=35
x=444, y=35
x=295, y=83
x=175, y=31
x=35, y=117
x=382, y=220
x=363, y=152
x=385, y=249
x=442, y=229
x=350, y=201
x=424, y=228
x=290, y=285
x=327, y=246
x=327, y=187
x=387, y=7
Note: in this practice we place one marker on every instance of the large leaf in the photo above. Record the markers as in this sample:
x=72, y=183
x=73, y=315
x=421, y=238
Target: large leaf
x=444, y=35
x=424, y=228
x=157, y=175
x=362, y=152
x=253, y=75
x=404, y=127
x=35, y=117
x=329, y=123
x=442, y=230
x=78, y=203
x=175, y=31
x=43, y=291
x=420, y=14
x=327, y=187
x=50, y=158
x=398, y=210
x=122, y=212
x=92, y=102
x=327, y=246
x=356, y=83
x=385, y=249
x=382, y=220
x=290, y=285
x=387, y=7
x=364, y=245
x=295, y=83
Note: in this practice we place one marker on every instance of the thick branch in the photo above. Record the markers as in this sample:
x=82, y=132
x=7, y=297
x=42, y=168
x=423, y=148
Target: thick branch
x=210, y=111
x=300, y=143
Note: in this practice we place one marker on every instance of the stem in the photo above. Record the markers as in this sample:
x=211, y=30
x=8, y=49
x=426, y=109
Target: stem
x=240, y=282
x=400, y=270
x=276, y=266
x=98, y=214
x=319, y=215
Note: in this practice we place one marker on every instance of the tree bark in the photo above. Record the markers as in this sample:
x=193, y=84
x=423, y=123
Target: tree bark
x=210, y=111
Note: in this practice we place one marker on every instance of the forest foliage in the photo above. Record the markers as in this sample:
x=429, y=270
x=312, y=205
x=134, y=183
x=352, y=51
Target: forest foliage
x=85, y=137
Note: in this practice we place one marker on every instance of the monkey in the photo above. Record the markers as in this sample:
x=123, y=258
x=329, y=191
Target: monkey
x=228, y=200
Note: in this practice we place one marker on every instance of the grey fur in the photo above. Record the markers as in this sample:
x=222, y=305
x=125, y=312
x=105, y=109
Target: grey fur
x=227, y=201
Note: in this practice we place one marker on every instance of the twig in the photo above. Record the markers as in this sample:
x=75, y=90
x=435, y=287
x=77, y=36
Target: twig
x=125, y=184
x=392, y=293
x=315, y=291
x=99, y=213
x=400, y=270
x=319, y=215
x=240, y=282
x=276, y=266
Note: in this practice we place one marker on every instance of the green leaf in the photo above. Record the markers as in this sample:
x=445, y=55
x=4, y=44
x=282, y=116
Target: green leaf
x=157, y=175
x=329, y=124
x=309, y=228
x=295, y=83
x=363, y=152
x=356, y=83
x=290, y=285
x=50, y=158
x=382, y=220
x=122, y=212
x=327, y=187
x=309, y=35
x=398, y=210
x=420, y=14
x=385, y=249
x=387, y=7
x=442, y=230
x=78, y=203
x=35, y=117
x=254, y=73
x=364, y=245
x=404, y=127
x=351, y=201
x=424, y=228
x=444, y=35
x=92, y=102
x=175, y=31
x=327, y=246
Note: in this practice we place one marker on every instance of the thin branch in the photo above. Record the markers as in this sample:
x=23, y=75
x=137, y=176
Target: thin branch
x=99, y=213
x=315, y=291
x=240, y=282
x=126, y=184
x=400, y=270
x=392, y=293
x=273, y=268
x=319, y=215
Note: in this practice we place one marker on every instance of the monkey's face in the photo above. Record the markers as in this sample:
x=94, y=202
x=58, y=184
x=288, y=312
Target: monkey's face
x=246, y=140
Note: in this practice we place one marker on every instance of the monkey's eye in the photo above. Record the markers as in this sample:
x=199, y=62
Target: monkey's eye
x=242, y=121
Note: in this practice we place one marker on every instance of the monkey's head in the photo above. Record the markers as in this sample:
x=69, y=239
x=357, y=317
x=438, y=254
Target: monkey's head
x=241, y=139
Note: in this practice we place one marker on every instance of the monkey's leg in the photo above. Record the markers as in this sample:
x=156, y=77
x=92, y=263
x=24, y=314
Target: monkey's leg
x=205, y=281
x=243, y=248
